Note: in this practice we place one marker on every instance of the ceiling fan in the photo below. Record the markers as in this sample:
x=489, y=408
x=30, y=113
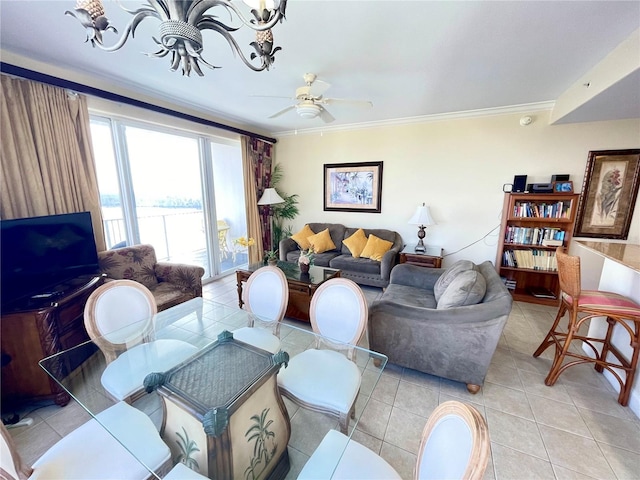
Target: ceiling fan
x=311, y=102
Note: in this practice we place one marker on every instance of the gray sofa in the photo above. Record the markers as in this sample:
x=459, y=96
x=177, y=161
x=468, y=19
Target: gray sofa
x=455, y=343
x=363, y=271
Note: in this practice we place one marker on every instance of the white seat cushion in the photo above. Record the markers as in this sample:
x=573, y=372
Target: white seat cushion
x=258, y=337
x=323, y=378
x=357, y=462
x=91, y=452
x=181, y=472
x=126, y=374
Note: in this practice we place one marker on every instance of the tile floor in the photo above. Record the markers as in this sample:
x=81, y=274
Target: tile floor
x=573, y=430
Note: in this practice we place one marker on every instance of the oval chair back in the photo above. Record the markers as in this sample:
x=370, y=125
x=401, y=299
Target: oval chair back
x=12, y=464
x=266, y=294
x=339, y=311
x=119, y=315
x=455, y=444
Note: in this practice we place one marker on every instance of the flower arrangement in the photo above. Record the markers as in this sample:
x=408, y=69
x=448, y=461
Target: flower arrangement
x=306, y=257
x=245, y=242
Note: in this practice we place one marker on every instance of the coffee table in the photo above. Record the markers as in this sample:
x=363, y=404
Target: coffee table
x=302, y=286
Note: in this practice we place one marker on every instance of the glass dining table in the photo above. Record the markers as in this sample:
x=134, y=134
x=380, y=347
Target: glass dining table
x=219, y=411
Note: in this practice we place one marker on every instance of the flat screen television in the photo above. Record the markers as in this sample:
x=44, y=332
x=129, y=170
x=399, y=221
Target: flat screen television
x=39, y=253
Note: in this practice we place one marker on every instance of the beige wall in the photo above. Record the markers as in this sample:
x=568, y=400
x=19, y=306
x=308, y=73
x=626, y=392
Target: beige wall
x=456, y=166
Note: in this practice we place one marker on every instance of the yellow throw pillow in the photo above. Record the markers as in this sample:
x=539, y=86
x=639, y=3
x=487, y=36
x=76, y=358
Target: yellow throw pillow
x=376, y=248
x=321, y=242
x=301, y=238
x=356, y=243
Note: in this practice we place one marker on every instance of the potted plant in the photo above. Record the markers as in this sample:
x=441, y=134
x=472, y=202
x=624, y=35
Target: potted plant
x=283, y=211
x=271, y=257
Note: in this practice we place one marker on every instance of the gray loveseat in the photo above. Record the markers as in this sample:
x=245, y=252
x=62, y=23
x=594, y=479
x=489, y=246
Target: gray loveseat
x=361, y=270
x=456, y=342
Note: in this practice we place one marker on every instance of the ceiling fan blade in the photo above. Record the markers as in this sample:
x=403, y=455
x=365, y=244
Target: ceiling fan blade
x=347, y=101
x=283, y=111
x=326, y=116
x=318, y=87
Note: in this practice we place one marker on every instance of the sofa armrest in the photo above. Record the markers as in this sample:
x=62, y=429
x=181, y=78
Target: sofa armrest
x=415, y=276
x=389, y=260
x=188, y=277
x=286, y=245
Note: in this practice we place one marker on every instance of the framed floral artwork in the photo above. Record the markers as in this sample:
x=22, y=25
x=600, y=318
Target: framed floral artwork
x=609, y=194
x=353, y=187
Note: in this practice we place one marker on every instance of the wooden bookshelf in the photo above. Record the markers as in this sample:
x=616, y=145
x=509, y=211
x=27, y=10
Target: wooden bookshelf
x=532, y=226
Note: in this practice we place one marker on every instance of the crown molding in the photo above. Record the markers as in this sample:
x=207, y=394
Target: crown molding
x=437, y=117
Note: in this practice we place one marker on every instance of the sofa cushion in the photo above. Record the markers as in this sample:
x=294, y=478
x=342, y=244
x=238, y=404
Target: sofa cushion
x=302, y=237
x=321, y=242
x=360, y=265
x=467, y=288
x=409, y=296
x=356, y=243
x=449, y=274
x=376, y=248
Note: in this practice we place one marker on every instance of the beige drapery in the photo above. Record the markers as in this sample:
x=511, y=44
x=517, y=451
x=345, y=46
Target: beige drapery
x=254, y=224
x=47, y=163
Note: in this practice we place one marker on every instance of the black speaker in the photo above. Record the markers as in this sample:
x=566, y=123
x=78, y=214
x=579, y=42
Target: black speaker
x=519, y=183
x=559, y=178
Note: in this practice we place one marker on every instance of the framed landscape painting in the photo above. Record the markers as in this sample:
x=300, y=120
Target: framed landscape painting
x=353, y=187
x=609, y=194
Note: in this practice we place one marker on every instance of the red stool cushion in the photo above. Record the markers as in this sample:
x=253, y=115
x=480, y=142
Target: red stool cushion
x=607, y=301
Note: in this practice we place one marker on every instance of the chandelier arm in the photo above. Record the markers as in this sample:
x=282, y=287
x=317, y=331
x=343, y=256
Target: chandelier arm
x=197, y=10
x=160, y=10
x=210, y=25
x=130, y=29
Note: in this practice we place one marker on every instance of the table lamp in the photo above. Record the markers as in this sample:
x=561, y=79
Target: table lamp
x=422, y=218
x=271, y=197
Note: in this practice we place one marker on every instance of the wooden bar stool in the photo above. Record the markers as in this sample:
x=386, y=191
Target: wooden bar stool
x=618, y=309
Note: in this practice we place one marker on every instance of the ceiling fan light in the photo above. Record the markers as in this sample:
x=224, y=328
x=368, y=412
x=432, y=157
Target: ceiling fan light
x=308, y=110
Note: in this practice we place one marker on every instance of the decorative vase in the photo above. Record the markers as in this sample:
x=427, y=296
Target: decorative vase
x=304, y=267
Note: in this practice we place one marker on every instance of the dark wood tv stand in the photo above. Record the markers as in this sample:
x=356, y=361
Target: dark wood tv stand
x=38, y=327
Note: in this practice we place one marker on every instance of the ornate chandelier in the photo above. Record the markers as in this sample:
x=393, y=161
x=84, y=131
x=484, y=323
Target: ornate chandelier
x=181, y=25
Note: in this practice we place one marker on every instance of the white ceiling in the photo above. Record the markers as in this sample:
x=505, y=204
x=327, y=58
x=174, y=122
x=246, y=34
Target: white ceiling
x=410, y=58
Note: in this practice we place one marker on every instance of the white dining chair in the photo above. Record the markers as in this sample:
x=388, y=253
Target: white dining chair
x=119, y=318
x=327, y=379
x=91, y=452
x=266, y=295
x=454, y=445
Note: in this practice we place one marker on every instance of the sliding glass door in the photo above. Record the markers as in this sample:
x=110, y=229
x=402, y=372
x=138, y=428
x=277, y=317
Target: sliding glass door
x=181, y=193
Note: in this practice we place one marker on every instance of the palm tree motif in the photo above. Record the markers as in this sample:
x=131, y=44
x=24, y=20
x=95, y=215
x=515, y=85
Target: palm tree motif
x=187, y=448
x=259, y=433
x=610, y=187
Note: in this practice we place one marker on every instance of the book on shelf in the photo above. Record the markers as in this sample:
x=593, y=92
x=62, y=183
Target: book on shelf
x=532, y=259
x=558, y=209
x=541, y=292
x=534, y=235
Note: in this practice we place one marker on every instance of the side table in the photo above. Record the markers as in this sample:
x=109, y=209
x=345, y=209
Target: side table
x=432, y=258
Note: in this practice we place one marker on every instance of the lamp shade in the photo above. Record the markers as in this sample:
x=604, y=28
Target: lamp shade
x=422, y=216
x=270, y=197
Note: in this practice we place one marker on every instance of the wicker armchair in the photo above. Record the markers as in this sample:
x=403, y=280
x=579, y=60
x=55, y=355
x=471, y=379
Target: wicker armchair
x=170, y=283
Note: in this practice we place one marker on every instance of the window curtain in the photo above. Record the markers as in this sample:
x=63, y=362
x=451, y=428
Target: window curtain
x=257, y=160
x=46, y=160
